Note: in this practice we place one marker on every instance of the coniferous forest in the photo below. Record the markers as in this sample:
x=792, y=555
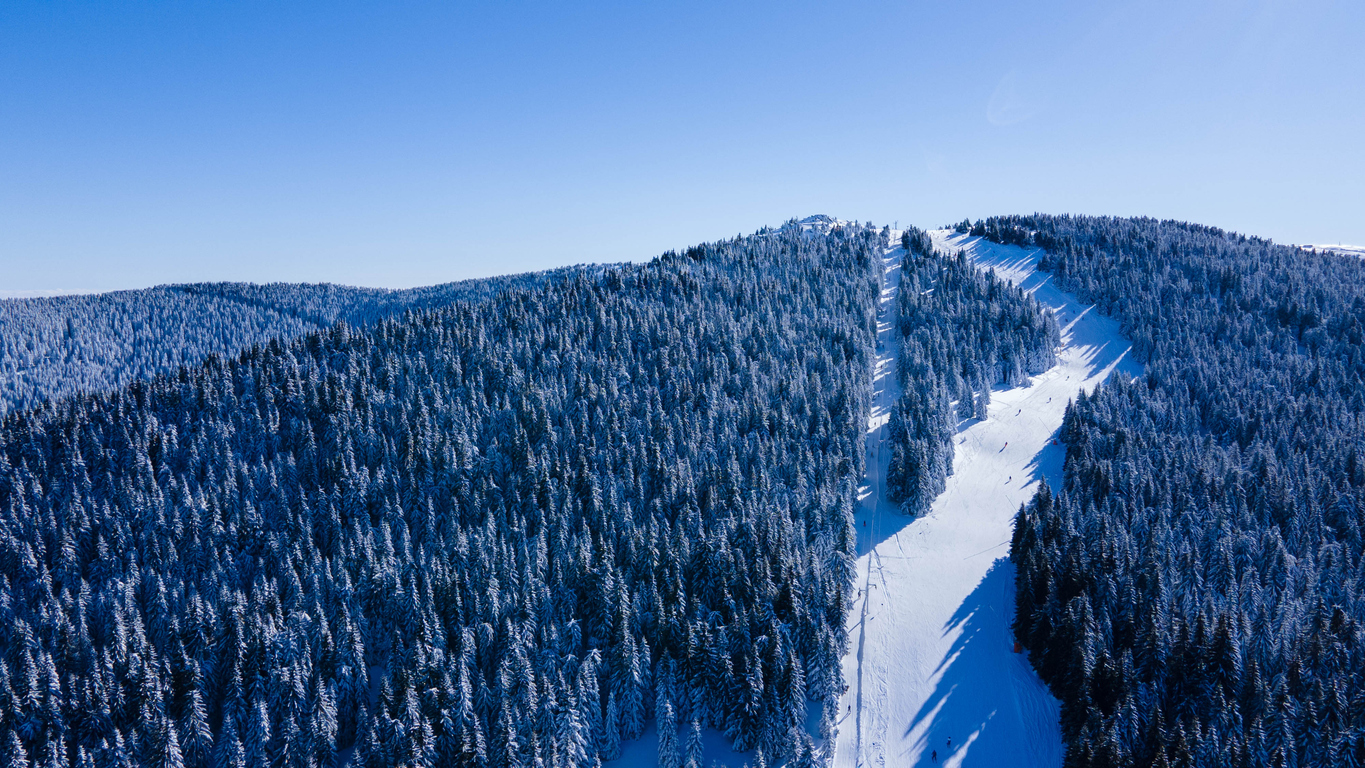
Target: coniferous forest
x=504, y=533
x=960, y=331
x=63, y=345
x=520, y=521
x=1195, y=592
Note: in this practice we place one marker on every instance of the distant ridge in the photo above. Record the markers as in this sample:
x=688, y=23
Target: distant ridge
x=57, y=345
x=1344, y=250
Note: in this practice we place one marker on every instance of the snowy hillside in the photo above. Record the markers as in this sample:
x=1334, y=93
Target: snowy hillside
x=58, y=344
x=931, y=671
x=619, y=497
x=1344, y=250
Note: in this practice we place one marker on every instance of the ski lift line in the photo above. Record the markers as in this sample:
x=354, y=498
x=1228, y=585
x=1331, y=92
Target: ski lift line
x=987, y=549
x=877, y=497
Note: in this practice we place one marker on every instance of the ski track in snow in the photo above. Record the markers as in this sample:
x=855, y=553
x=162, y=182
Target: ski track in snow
x=930, y=648
x=930, y=651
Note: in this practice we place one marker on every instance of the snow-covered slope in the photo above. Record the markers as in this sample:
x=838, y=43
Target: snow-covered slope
x=931, y=667
x=1344, y=250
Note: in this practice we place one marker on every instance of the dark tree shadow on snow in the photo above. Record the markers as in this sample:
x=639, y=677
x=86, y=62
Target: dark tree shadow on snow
x=974, y=663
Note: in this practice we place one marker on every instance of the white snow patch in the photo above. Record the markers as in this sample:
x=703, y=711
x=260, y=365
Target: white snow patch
x=1345, y=250
x=819, y=224
x=931, y=656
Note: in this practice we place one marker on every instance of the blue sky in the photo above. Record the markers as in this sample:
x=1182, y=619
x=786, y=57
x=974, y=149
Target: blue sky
x=399, y=144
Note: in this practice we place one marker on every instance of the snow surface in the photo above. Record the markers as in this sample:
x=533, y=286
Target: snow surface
x=931, y=656
x=1344, y=250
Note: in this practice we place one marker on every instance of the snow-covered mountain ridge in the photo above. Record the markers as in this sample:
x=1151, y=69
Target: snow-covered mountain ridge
x=1344, y=250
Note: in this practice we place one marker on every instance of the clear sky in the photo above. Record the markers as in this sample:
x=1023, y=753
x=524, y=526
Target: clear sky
x=399, y=144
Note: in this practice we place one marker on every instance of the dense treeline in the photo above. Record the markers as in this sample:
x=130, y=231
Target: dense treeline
x=500, y=534
x=58, y=346
x=1195, y=593
x=960, y=332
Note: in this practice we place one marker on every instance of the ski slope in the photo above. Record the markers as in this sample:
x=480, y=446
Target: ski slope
x=1344, y=250
x=931, y=656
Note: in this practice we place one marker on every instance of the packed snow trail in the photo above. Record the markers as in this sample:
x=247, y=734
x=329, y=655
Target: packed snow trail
x=930, y=666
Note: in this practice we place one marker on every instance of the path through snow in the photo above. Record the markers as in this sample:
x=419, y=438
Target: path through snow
x=930, y=649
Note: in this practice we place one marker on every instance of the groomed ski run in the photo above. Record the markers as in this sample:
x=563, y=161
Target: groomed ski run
x=932, y=675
